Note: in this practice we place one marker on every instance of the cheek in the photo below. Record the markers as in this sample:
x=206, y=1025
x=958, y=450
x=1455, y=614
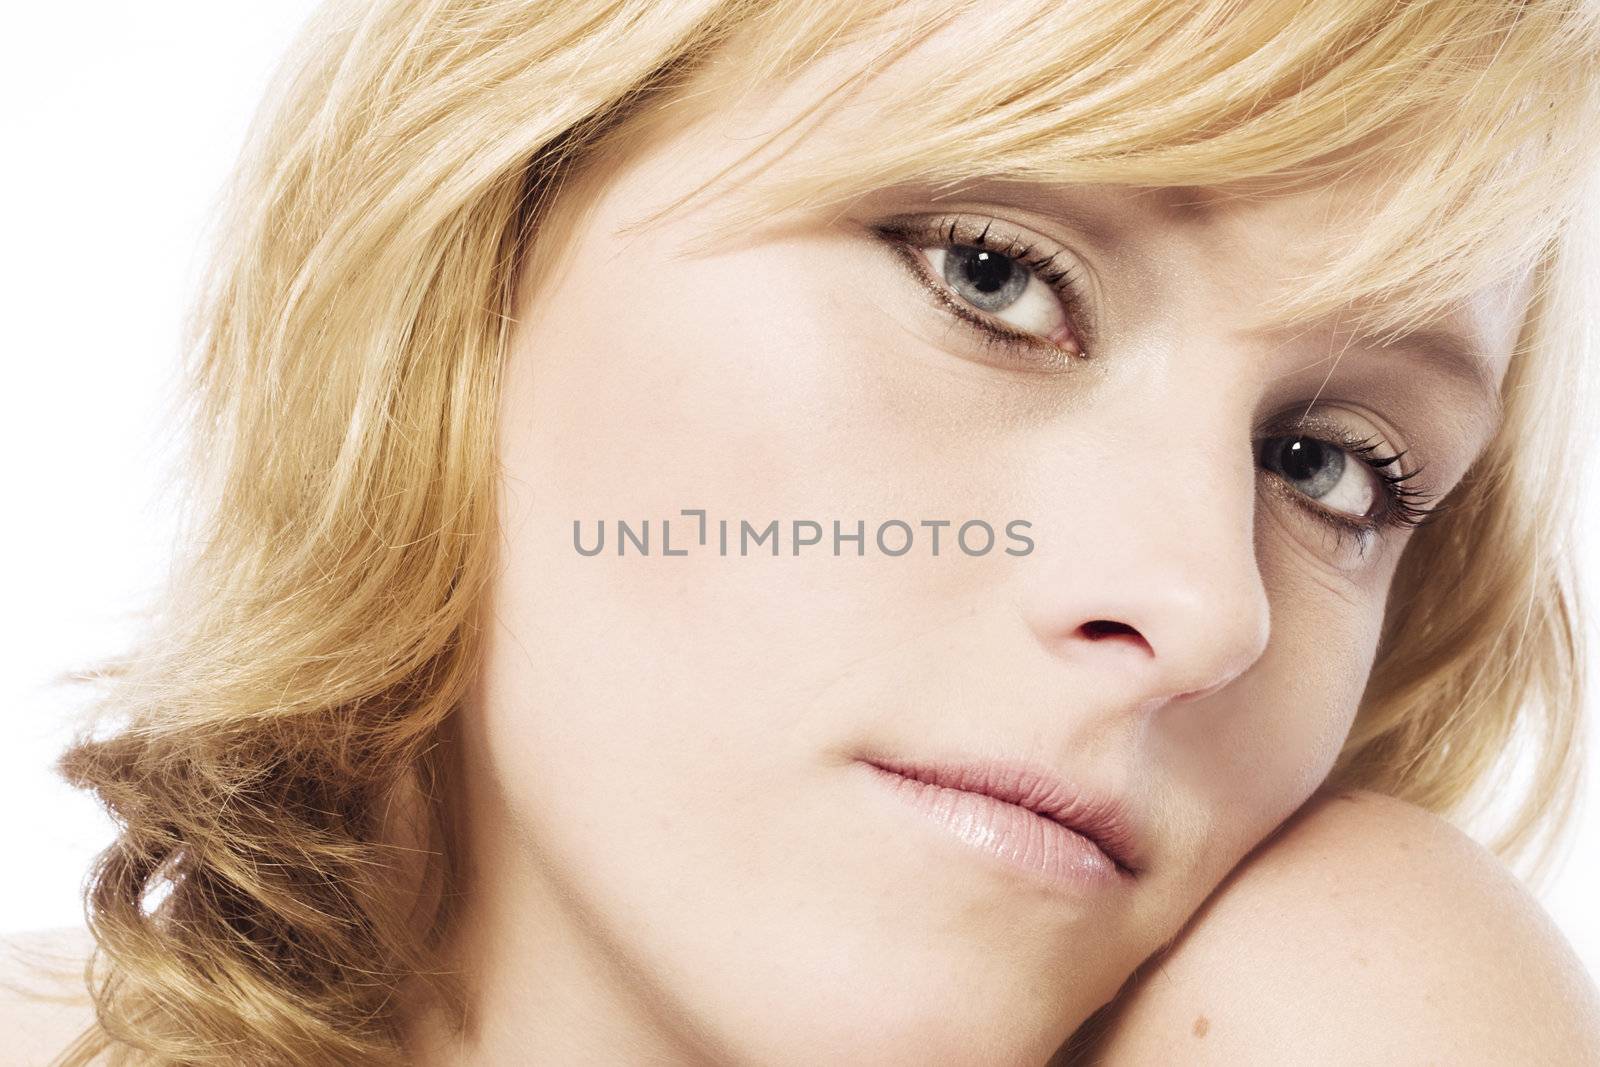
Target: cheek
x=1282, y=725
x=735, y=384
x=635, y=395
x=670, y=734
x=636, y=699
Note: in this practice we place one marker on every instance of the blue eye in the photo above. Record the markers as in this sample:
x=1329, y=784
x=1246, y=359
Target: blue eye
x=1031, y=307
x=1322, y=472
x=1347, y=482
x=1020, y=299
x=991, y=281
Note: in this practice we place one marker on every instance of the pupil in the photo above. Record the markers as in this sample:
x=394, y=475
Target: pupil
x=986, y=271
x=1315, y=467
x=987, y=279
x=1304, y=458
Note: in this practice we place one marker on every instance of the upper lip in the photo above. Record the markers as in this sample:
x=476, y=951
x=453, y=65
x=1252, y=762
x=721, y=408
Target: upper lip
x=1103, y=820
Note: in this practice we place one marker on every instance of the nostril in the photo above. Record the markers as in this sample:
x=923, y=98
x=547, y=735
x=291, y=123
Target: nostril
x=1095, y=629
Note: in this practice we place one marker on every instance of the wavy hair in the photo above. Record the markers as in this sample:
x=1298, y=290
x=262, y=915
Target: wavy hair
x=415, y=163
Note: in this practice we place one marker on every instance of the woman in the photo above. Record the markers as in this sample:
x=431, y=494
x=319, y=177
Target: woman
x=874, y=533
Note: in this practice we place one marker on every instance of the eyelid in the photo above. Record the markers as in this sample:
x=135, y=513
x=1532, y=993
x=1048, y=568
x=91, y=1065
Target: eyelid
x=1055, y=265
x=1015, y=348
x=1318, y=423
x=1406, y=505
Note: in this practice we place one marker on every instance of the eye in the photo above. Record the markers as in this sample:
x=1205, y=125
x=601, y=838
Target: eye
x=1347, y=481
x=1323, y=472
x=1021, y=296
x=1000, y=285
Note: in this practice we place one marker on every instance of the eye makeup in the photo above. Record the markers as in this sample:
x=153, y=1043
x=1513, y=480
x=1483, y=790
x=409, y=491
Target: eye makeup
x=1053, y=267
x=1399, y=502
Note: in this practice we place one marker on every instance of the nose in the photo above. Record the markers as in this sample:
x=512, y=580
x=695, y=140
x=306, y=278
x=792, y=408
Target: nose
x=1145, y=572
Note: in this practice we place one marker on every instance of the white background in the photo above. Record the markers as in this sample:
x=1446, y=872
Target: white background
x=120, y=122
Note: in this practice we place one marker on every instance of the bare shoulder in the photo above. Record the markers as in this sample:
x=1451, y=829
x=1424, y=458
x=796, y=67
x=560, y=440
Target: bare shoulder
x=1367, y=931
x=44, y=1001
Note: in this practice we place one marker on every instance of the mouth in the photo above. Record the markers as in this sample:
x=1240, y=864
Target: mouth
x=1097, y=831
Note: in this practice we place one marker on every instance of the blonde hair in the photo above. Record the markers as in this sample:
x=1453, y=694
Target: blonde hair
x=310, y=648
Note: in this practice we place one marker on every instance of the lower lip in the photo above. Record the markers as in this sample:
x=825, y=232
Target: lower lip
x=1022, y=839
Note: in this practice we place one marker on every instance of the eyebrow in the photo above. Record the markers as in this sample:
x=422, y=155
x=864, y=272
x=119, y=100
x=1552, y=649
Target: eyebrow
x=1450, y=353
x=1184, y=203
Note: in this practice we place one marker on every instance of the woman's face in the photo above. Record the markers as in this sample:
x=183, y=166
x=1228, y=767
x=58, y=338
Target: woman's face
x=679, y=838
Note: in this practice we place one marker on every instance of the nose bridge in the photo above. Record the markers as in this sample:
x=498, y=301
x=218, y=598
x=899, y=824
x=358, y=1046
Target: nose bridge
x=1153, y=578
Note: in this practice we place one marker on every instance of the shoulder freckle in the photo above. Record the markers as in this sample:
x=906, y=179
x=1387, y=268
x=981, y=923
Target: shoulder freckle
x=1368, y=929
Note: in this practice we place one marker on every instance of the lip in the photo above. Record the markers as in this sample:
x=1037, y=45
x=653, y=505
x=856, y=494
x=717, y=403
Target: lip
x=1092, y=837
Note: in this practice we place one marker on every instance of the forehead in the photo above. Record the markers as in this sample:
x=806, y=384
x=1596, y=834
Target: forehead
x=1232, y=244
x=869, y=112
x=1268, y=232
x=1270, y=228
x=823, y=105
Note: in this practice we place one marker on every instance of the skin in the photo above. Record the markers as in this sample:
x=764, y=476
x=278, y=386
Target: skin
x=677, y=855
x=1328, y=947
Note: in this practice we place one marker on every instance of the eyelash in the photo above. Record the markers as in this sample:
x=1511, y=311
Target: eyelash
x=906, y=236
x=1405, y=505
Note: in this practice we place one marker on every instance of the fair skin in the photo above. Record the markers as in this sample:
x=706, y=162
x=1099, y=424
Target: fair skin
x=676, y=855
x=678, y=859
x=1330, y=948
x=1276, y=965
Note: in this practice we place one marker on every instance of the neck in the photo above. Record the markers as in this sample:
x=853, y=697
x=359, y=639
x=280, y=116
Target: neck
x=542, y=981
